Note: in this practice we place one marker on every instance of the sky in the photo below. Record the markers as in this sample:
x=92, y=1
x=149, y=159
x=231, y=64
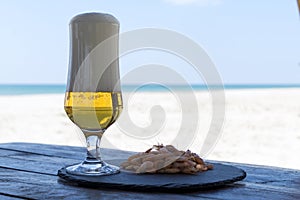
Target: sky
x=250, y=42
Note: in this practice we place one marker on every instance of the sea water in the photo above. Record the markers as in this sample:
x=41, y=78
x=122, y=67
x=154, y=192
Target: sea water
x=11, y=89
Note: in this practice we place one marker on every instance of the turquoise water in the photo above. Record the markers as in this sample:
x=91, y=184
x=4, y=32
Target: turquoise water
x=59, y=89
x=155, y=88
x=31, y=89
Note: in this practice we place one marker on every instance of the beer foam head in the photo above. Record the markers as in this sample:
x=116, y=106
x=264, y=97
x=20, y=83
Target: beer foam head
x=94, y=63
x=94, y=17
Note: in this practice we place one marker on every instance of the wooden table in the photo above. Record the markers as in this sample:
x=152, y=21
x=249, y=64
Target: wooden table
x=28, y=171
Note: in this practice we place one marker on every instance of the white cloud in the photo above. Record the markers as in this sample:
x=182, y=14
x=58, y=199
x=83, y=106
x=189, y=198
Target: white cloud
x=195, y=2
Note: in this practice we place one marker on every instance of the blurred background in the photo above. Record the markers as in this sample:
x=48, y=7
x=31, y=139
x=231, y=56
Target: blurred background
x=255, y=46
x=251, y=42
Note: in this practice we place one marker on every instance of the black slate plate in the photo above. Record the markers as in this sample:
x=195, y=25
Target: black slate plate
x=219, y=176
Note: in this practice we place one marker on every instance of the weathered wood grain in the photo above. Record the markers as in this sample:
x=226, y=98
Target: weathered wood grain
x=29, y=171
x=62, y=151
x=37, y=186
x=51, y=163
x=4, y=197
x=36, y=162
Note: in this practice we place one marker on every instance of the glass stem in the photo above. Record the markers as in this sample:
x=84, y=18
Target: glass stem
x=93, y=147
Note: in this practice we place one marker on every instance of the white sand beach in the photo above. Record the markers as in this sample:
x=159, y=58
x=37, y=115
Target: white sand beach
x=262, y=126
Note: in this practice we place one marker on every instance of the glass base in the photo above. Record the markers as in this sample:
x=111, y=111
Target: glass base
x=98, y=168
